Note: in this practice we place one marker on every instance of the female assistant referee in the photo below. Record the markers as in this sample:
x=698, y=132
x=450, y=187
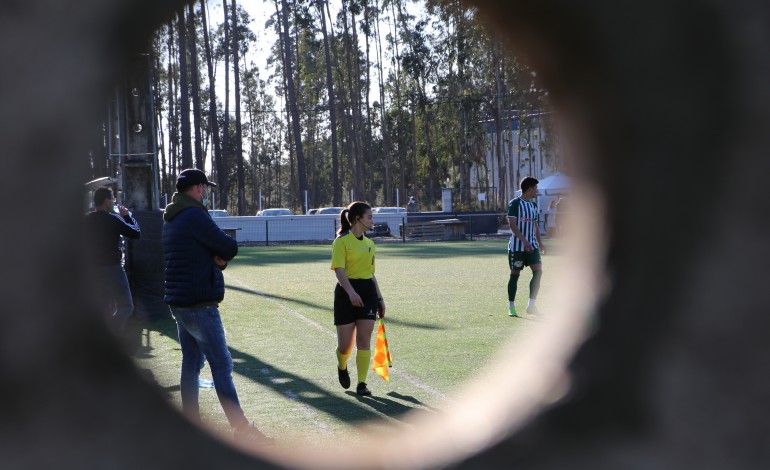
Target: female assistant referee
x=357, y=297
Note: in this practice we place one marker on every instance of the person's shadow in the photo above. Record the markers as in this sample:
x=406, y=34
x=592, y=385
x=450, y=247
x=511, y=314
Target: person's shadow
x=292, y=386
x=302, y=390
x=387, y=406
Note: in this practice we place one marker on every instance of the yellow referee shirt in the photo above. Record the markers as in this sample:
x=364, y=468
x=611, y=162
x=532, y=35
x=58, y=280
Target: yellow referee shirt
x=355, y=256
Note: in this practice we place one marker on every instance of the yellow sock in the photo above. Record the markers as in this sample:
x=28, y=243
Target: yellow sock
x=363, y=356
x=342, y=360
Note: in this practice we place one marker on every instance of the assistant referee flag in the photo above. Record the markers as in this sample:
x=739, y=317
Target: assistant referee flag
x=382, y=359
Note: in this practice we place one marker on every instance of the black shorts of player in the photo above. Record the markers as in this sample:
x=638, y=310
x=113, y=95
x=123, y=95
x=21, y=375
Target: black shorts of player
x=344, y=311
x=518, y=259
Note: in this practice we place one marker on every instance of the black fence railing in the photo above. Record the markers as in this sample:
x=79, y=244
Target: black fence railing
x=403, y=226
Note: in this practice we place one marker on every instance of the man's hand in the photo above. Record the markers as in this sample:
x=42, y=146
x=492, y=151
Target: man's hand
x=220, y=262
x=527, y=246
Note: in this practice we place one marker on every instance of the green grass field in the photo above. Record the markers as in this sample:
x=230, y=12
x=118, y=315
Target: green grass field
x=446, y=317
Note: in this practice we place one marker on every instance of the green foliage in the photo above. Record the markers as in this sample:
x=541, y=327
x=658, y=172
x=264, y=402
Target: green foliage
x=440, y=94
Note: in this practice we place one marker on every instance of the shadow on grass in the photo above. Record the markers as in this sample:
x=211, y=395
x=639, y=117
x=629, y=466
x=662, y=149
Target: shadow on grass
x=385, y=405
x=389, y=320
x=299, y=389
x=324, y=307
x=278, y=297
x=148, y=376
x=292, y=386
x=411, y=399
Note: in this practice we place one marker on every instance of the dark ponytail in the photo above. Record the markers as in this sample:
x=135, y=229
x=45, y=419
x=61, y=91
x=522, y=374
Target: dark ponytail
x=350, y=214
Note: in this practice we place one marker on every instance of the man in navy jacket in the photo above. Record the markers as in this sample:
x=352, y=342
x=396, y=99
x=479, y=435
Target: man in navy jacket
x=196, y=251
x=104, y=228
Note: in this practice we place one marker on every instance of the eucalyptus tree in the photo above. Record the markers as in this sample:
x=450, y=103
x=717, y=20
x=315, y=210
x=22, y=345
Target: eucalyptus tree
x=223, y=163
x=461, y=89
x=158, y=90
x=184, y=92
x=419, y=65
x=322, y=6
x=212, y=118
x=367, y=28
x=238, y=127
x=381, y=107
x=399, y=132
x=173, y=113
x=192, y=44
x=352, y=86
x=291, y=92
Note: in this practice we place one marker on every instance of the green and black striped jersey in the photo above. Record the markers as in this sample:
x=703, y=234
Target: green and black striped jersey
x=527, y=217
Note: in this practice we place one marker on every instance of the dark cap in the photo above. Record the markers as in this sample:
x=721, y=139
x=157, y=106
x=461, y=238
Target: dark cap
x=191, y=177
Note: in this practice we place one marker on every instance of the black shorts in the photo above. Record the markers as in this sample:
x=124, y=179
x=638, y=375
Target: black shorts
x=344, y=311
x=518, y=259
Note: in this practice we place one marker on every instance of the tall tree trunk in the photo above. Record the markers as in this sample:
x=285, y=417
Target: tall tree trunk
x=158, y=117
x=297, y=73
x=237, y=93
x=461, y=29
x=351, y=105
x=413, y=110
x=192, y=43
x=399, y=127
x=346, y=120
x=184, y=83
x=289, y=139
x=292, y=98
x=213, y=118
x=253, y=139
x=337, y=189
x=427, y=121
x=383, y=117
x=173, y=134
x=224, y=164
x=355, y=71
x=368, y=86
x=499, y=127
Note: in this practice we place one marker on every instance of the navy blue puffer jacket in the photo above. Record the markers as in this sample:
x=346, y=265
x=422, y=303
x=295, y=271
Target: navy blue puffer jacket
x=191, y=239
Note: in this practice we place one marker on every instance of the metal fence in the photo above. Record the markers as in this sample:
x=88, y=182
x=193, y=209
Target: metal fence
x=404, y=227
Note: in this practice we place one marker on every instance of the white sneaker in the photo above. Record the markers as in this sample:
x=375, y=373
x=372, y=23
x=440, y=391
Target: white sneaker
x=533, y=311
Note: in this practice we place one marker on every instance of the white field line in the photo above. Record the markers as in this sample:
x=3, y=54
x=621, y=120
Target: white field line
x=304, y=408
x=333, y=334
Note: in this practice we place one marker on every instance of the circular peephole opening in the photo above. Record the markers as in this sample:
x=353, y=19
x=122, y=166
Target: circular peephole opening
x=423, y=112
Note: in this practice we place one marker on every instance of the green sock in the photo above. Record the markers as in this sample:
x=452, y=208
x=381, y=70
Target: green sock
x=512, y=283
x=342, y=360
x=363, y=356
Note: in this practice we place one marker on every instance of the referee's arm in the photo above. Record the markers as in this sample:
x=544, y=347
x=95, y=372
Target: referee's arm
x=342, y=278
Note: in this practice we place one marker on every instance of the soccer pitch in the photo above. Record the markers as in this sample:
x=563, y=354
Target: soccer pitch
x=446, y=317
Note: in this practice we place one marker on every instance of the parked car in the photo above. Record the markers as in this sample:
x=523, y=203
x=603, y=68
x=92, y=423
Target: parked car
x=379, y=230
x=274, y=212
x=219, y=213
x=388, y=210
x=329, y=210
x=312, y=211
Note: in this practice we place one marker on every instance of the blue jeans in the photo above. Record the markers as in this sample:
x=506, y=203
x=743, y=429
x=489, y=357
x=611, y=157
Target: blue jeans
x=202, y=337
x=117, y=295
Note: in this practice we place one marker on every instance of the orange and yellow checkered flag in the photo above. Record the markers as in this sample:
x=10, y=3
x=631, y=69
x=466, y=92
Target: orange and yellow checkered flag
x=382, y=359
